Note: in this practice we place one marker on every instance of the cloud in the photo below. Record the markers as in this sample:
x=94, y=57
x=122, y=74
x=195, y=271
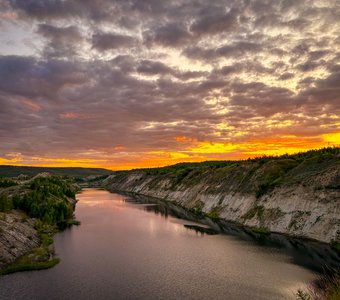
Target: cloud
x=62, y=41
x=171, y=35
x=152, y=68
x=60, y=34
x=27, y=76
x=31, y=105
x=107, y=41
x=214, y=22
x=235, y=50
x=125, y=78
x=41, y=9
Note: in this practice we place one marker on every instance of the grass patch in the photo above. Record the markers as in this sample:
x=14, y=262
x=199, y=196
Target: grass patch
x=197, y=211
x=24, y=264
x=335, y=245
x=46, y=240
x=213, y=214
x=260, y=230
x=71, y=222
x=257, y=210
x=67, y=223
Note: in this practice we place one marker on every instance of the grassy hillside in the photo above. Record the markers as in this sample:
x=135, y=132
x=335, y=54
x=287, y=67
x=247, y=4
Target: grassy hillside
x=259, y=175
x=14, y=171
x=298, y=157
x=292, y=194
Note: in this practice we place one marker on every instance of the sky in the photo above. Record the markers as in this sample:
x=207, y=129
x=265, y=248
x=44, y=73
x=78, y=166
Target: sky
x=146, y=83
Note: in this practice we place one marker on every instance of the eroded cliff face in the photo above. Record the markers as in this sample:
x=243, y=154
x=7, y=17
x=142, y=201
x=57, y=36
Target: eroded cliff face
x=303, y=200
x=17, y=236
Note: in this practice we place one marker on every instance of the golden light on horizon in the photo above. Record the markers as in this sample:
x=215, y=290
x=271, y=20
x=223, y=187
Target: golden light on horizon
x=200, y=151
x=149, y=89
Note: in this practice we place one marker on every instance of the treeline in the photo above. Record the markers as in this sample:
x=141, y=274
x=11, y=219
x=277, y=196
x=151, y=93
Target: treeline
x=6, y=204
x=187, y=167
x=14, y=171
x=5, y=182
x=46, y=199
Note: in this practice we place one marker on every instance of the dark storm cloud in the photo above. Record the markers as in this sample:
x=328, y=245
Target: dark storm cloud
x=95, y=10
x=29, y=77
x=62, y=41
x=125, y=63
x=151, y=68
x=60, y=34
x=42, y=9
x=106, y=41
x=259, y=99
x=212, y=22
x=171, y=34
x=235, y=50
x=324, y=94
x=181, y=33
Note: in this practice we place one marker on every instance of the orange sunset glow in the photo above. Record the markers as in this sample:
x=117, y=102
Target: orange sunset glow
x=149, y=83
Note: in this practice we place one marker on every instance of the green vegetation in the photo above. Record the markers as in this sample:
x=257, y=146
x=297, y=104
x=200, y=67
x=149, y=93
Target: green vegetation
x=183, y=169
x=50, y=200
x=321, y=154
x=5, y=182
x=5, y=203
x=260, y=230
x=214, y=214
x=38, y=258
x=327, y=287
x=47, y=200
x=25, y=264
x=335, y=245
x=259, y=176
x=257, y=210
x=197, y=211
x=261, y=213
x=15, y=171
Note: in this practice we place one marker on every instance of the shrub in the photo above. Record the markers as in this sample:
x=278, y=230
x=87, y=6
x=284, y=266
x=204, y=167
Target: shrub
x=47, y=200
x=5, y=203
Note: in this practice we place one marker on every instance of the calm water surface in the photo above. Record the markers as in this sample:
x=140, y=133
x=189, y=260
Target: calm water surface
x=124, y=250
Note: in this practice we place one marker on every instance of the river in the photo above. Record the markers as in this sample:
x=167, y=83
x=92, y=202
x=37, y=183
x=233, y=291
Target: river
x=126, y=249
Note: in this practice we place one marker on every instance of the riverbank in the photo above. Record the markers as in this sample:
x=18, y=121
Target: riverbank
x=31, y=212
x=128, y=249
x=296, y=195
x=25, y=243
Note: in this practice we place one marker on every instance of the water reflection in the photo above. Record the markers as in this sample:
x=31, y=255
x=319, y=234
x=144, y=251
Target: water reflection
x=134, y=248
x=313, y=255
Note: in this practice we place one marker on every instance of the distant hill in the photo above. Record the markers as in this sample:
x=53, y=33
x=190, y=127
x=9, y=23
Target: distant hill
x=14, y=171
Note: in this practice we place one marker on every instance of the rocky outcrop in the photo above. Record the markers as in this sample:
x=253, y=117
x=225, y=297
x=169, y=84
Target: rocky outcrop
x=17, y=236
x=299, y=198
